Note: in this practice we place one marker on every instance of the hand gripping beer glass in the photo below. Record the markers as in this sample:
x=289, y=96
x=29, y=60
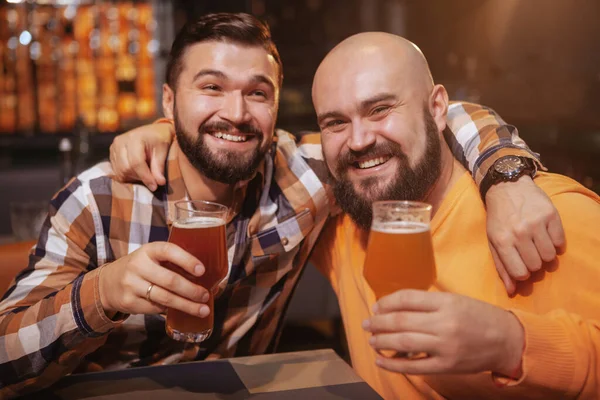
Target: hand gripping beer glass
x=199, y=229
x=399, y=252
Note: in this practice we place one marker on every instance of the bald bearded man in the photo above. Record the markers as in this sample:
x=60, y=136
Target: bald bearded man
x=378, y=107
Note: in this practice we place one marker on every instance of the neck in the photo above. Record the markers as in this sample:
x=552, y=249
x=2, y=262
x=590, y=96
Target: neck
x=199, y=187
x=451, y=171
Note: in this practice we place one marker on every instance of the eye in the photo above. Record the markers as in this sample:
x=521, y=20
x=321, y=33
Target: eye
x=379, y=110
x=335, y=123
x=211, y=87
x=259, y=93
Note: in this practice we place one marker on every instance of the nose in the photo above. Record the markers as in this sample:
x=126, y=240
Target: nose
x=361, y=137
x=234, y=109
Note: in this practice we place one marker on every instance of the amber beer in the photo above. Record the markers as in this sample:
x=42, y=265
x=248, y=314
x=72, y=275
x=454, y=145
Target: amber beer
x=400, y=251
x=199, y=229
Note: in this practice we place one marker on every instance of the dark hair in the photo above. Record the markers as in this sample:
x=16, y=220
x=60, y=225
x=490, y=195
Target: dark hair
x=238, y=28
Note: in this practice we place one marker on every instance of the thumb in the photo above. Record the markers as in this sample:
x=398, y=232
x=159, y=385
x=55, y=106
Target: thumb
x=509, y=284
x=157, y=163
x=557, y=234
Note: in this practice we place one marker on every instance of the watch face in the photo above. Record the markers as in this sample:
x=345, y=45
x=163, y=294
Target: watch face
x=508, y=165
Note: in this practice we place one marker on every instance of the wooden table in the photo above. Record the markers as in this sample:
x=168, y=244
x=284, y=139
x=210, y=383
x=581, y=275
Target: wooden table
x=312, y=375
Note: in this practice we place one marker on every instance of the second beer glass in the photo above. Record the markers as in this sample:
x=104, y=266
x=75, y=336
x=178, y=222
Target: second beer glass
x=199, y=229
x=400, y=252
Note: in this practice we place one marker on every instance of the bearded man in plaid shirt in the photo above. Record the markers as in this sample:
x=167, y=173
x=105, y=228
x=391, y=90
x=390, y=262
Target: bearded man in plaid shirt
x=82, y=304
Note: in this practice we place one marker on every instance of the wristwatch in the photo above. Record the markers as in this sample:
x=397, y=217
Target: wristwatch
x=507, y=169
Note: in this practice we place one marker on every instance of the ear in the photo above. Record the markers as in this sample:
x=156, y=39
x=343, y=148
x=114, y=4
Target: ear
x=168, y=101
x=438, y=106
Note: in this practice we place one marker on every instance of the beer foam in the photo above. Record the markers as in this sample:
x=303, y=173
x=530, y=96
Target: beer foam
x=400, y=227
x=198, y=222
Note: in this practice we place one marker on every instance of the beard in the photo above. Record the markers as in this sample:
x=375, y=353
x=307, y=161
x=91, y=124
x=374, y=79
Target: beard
x=223, y=166
x=409, y=183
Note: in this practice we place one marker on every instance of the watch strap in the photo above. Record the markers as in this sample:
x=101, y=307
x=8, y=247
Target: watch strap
x=493, y=177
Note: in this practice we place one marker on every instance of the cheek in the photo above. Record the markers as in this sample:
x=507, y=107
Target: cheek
x=332, y=146
x=408, y=135
x=264, y=115
x=195, y=110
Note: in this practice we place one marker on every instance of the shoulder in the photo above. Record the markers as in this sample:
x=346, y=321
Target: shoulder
x=302, y=152
x=307, y=144
x=569, y=197
x=98, y=185
x=556, y=185
x=578, y=207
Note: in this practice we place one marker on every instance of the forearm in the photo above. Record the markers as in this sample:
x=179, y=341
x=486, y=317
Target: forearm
x=51, y=317
x=46, y=334
x=478, y=136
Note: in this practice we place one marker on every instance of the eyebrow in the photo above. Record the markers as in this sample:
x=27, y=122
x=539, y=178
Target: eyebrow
x=327, y=115
x=368, y=103
x=263, y=79
x=258, y=78
x=365, y=104
x=204, y=72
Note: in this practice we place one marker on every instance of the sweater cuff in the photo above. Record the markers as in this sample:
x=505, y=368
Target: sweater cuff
x=550, y=356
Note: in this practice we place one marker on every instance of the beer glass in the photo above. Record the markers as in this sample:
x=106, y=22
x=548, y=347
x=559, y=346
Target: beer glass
x=199, y=229
x=399, y=252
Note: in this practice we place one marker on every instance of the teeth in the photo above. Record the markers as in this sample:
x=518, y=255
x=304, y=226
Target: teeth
x=231, y=138
x=372, y=163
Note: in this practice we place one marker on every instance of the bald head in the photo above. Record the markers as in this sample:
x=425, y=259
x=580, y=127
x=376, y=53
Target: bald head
x=381, y=118
x=374, y=56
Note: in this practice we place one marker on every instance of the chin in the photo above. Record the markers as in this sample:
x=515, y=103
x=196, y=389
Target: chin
x=371, y=189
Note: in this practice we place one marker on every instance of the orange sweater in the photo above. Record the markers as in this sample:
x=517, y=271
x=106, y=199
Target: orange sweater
x=559, y=307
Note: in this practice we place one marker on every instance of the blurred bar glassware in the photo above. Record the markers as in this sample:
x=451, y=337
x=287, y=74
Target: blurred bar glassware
x=199, y=229
x=400, y=251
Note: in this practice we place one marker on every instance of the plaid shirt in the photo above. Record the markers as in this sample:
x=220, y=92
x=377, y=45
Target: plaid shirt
x=51, y=319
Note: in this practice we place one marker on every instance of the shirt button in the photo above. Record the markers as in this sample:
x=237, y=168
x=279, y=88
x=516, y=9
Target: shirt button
x=284, y=241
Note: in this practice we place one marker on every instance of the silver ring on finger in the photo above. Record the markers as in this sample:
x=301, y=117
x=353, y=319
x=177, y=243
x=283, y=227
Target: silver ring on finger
x=148, y=291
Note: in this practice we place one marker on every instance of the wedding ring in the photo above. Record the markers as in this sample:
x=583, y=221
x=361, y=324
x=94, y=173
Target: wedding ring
x=148, y=292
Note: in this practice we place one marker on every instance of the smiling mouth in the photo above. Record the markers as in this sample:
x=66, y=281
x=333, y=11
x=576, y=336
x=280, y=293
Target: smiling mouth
x=372, y=162
x=230, y=137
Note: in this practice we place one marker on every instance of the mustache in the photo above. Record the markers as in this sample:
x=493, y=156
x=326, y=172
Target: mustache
x=227, y=127
x=379, y=150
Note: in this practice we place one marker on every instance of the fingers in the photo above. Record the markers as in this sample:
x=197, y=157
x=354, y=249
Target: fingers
x=128, y=160
x=120, y=163
x=118, y=159
x=509, y=283
x=557, y=234
x=544, y=245
x=529, y=254
x=513, y=263
x=133, y=297
x=175, y=283
x=420, y=366
x=165, y=298
x=158, y=157
x=112, y=158
x=399, y=322
x=138, y=164
x=409, y=300
x=169, y=252
x=405, y=342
